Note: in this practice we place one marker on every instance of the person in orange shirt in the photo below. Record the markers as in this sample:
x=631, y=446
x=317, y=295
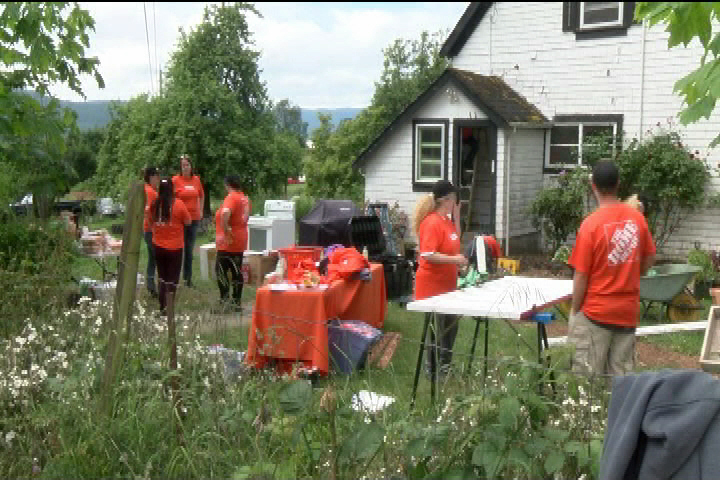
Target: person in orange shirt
x=152, y=179
x=613, y=249
x=189, y=189
x=168, y=219
x=436, y=223
x=231, y=240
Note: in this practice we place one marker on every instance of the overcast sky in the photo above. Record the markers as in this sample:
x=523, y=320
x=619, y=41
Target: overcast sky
x=319, y=55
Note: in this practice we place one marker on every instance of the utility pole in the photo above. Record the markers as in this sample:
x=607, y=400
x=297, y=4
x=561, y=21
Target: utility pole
x=160, y=80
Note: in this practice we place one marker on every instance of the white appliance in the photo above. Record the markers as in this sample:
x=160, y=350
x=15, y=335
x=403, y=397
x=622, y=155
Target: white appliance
x=276, y=229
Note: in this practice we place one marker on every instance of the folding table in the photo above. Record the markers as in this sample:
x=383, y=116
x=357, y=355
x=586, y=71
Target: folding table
x=510, y=298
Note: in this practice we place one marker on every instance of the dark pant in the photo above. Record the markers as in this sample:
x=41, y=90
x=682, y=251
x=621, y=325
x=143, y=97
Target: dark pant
x=445, y=329
x=169, y=263
x=229, y=263
x=190, y=234
x=150, y=274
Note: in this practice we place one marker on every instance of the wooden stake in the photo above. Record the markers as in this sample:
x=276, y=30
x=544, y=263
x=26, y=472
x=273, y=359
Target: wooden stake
x=124, y=293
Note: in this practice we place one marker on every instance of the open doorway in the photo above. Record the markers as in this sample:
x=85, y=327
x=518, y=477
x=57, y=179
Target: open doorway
x=475, y=174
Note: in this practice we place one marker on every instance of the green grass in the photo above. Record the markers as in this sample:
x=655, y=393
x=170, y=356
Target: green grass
x=687, y=343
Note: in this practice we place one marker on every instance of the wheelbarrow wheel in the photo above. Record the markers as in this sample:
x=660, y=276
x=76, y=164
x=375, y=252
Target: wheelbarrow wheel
x=683, y=308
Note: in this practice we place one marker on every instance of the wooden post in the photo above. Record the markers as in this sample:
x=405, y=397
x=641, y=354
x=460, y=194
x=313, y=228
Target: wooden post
x=124, y=293
x=174, y=380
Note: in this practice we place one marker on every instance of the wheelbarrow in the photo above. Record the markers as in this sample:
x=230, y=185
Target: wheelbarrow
x=667, y=284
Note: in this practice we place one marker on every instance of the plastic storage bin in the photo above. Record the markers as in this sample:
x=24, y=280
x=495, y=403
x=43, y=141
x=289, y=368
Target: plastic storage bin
x=349, y=342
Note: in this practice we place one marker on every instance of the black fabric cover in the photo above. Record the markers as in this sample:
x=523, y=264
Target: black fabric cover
x=327, y=223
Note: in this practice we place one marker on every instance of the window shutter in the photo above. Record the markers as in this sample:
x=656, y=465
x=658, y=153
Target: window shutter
x=629, y=14
x=571, y=16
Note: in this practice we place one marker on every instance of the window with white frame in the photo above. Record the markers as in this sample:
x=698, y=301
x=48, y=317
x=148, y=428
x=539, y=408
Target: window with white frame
x=566, y=142
x=429, y=152
x=600, y=14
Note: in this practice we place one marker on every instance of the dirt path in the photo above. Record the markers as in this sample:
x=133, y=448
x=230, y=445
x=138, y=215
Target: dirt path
x=647, y=355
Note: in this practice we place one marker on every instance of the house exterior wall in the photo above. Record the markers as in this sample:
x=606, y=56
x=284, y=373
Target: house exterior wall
x=388, y=169
x=524, y=44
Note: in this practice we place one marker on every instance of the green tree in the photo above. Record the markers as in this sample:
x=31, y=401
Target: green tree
x=288, y=119
x=214, y=107
x=41, y=43
x=409, y=67
x=686, y=21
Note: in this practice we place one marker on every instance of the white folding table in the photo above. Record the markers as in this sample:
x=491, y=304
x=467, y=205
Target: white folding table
x=511, y=298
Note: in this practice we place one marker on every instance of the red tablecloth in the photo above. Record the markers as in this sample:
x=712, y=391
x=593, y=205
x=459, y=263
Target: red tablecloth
x=292, y=326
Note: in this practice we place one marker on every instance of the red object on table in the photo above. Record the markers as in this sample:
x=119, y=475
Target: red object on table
x=292, y=326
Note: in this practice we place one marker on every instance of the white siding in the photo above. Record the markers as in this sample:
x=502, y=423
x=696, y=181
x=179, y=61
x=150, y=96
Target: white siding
x=526, y=179
x=388, y=169
x=523, y=43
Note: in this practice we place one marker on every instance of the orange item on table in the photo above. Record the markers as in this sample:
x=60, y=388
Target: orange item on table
x=291, y=326
x=344, y=262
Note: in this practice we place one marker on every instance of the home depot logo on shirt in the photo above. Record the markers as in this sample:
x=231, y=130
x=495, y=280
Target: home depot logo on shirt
x=453, y=236
x=623, y=241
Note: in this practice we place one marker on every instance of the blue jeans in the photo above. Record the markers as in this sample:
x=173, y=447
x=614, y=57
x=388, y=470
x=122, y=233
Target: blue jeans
x=190, y=235
x=150, y=274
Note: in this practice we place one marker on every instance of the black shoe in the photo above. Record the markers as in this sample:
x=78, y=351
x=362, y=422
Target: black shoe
x=153, y=293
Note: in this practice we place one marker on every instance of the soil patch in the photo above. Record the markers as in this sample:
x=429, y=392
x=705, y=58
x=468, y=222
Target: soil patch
x=540, y=266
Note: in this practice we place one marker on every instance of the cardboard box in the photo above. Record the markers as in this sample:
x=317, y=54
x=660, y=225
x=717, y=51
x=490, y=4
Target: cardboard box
x=260, y=265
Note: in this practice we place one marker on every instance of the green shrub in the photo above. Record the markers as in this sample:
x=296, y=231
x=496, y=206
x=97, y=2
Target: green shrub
x=670, y=177
x=702, y=259
x=34, y=262
x=559, y=210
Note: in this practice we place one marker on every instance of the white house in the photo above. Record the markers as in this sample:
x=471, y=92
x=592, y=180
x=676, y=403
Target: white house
x=527, y=82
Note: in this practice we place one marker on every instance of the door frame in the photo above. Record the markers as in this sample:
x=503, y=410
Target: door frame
x=458, y=125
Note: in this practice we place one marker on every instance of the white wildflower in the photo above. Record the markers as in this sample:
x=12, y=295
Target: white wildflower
x=9, y=436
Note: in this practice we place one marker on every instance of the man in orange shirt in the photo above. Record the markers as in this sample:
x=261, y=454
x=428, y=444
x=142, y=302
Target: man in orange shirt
x=613, y=249
x=152, y=180
x=231, y=240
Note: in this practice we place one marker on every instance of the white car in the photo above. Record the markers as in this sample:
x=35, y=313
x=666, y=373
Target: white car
x=107, y=206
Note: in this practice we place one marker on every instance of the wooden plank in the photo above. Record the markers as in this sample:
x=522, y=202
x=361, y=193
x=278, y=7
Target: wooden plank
x=651, y=330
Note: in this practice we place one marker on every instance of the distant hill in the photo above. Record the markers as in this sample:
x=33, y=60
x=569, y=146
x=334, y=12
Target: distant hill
x=96, y=114
x=337, y=114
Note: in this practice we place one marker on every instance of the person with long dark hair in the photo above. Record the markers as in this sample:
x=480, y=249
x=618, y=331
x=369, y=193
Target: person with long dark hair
x=189, y=189
x=231, y=241
x=152, y=180
x=169, y=216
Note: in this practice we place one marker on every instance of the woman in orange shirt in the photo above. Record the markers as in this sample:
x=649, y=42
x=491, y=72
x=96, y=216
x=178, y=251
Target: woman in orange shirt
x=188, y=188
x=436, y=224
x=231, y=240
x=152, y=179
x=169, y=217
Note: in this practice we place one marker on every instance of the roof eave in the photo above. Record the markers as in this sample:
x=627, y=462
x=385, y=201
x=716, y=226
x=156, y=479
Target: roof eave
x=472, y=16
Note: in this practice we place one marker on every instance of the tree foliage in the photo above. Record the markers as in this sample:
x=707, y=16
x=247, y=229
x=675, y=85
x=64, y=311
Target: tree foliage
x=41, y=43
x=409, y=67
x=671, y=179
x=214, y=108
x=686, y=21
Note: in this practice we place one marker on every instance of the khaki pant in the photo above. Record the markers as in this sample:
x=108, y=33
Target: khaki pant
x=600, y=350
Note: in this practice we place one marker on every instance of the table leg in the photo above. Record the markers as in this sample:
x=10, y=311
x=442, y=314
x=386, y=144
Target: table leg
x=474, y=342
x=485, y=367
x=420, y=356
x=547, y=347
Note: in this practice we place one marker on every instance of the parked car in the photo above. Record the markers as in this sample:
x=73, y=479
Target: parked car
x=106, y=206
x=24, y=205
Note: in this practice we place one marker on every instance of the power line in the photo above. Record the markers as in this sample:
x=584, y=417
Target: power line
x=157, y=64
x=147, y=39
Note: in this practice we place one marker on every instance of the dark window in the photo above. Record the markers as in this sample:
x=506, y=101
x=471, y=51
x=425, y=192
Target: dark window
x=597, y=19
x=567, y=140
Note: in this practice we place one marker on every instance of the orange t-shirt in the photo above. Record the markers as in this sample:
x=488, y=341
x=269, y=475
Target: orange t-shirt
x=239, y=204
x=609, y=248
x=436, y=235
x=189, y=191
x=150, y=196
x=491, y=242
x=171, y=235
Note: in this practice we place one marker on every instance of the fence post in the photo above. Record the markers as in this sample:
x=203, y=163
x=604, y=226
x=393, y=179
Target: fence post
x=124, y=293
x=174, y=379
